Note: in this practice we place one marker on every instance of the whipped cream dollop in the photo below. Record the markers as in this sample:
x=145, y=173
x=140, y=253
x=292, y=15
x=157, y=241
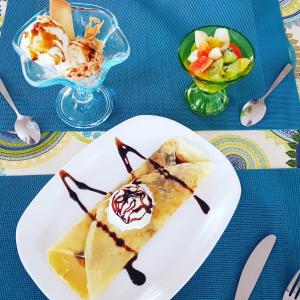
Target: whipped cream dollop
x=130, y=207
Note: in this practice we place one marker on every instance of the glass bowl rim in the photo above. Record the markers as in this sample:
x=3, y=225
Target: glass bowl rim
x=59, y=79
x=249, y=68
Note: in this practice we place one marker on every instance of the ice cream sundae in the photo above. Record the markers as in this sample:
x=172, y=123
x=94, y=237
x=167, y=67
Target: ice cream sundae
x=50, y=42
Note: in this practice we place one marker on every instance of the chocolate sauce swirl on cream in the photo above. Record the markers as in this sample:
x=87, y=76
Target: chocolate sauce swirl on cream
x=131, y=203
x=125, y=149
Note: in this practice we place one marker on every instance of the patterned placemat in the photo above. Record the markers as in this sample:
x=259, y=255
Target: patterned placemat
x=245, y=149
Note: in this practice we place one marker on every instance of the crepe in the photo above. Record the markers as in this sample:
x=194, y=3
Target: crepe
x=104, y=259
x=67, y=255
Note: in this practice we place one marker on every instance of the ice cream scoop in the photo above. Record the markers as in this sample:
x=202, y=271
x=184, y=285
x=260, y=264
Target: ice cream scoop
x=45, y=42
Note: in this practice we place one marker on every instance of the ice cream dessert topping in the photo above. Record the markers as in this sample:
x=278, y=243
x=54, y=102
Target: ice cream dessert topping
x=47, y=43
x=85, y=55
x=130, y=207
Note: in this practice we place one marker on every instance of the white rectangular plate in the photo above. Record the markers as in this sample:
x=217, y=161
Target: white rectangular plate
x=173, y=255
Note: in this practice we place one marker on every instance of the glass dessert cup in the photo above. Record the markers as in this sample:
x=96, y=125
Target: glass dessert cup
x=210, y=98
x=84, y=103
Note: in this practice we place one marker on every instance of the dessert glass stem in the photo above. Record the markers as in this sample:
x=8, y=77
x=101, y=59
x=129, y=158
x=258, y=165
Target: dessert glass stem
x=204, y=103
x=82, y=97
x=83, y=108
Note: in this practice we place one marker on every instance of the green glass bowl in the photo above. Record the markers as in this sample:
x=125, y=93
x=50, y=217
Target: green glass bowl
x=210, y=98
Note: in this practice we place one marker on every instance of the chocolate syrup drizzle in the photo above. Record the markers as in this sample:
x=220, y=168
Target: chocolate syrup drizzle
x=82, y=186
x=134, y=274
x=137, y=277
x=124, y=150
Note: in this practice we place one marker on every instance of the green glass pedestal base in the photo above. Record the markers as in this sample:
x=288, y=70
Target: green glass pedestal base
x=206, y=104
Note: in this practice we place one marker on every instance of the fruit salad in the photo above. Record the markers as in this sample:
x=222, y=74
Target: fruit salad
x=216, y=58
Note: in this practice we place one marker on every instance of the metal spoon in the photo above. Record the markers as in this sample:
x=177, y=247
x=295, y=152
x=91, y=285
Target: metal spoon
x=26, y=129
x=254, y=110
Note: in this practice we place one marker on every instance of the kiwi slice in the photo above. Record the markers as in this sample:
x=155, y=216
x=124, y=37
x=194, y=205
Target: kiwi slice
x=229, y=56
x=214, y=73
x=232, y=70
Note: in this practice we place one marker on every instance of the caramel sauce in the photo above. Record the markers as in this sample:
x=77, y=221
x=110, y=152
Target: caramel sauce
x=88, y=52
x=46, y=42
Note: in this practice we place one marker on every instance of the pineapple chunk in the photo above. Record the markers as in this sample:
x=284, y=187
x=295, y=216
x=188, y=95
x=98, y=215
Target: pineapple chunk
x=244, y=62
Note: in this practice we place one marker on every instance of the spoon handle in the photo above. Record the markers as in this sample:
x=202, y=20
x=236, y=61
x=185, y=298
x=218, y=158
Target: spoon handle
x=287, y=69
x=7, y=97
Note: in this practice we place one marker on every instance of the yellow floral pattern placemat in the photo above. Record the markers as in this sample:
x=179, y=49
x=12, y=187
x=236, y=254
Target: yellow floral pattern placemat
x=245, y=149
x=255, y=149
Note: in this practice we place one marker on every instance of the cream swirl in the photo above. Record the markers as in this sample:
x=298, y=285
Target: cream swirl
x=130, y=207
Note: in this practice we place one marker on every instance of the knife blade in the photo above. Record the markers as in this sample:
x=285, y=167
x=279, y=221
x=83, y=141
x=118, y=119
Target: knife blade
x=254, y=267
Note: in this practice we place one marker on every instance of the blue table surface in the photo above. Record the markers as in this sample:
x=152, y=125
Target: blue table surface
x=269, y=204
x=152, y=81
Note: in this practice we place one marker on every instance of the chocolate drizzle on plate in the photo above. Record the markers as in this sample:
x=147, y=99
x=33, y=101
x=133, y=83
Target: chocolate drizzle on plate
x=137, y=277
x=125, y=149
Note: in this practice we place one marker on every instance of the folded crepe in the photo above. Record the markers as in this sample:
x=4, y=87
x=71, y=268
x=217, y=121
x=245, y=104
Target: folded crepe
x=103, y=258
x=83, y=258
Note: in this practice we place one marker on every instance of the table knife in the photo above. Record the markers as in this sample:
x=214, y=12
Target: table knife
x=253, y=267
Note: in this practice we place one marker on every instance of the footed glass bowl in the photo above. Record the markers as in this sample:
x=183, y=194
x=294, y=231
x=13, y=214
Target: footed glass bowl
x=82, y=103
x=210, y=98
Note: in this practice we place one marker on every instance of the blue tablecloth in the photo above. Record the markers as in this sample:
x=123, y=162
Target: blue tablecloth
x=269, y=204
x=152, y=81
